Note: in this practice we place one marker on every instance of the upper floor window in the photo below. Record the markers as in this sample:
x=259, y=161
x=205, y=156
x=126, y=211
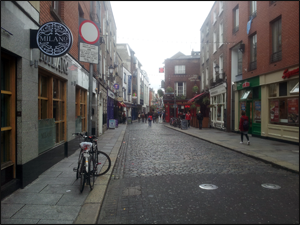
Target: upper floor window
x=215, y=41
x=253, y=52
x=221, y=66
x=202, y=55
x=206, y=76
x=220, y=7
x=180, y=69
x=56, y=7
x=276, y=41
x=220, y=34
x=235, y=20
x=180, y=88
x=215, y=17
x=253, y=9
x=125, y=78
x=214, y=71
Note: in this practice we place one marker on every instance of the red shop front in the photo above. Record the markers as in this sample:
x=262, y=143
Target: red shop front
x=182, y=107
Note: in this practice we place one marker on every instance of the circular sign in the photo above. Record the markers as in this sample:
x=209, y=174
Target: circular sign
x=116, y=86
x=89, y=32
x=54, y=39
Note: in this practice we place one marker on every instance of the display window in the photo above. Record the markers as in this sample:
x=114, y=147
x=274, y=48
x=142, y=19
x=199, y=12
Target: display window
x=52, y=102
x=81, y=107
x=283, y=105
x=8, y=119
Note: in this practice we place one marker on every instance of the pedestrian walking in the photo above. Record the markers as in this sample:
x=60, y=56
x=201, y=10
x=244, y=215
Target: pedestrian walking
x=200, y=118
x=143, y=117
x=188, y=117
x=146, y=117
x=244, y=127
x=124, y=117
x=160, y=116
x=155, y=117
x=164, y=116
x=150, y=118
x=139, y=117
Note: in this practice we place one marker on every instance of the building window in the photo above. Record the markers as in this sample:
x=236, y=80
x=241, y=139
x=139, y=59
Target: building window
x=52, y=103
x=220, y=7
x=202, y=55
x=253, y=9
x=276, y=41
x=235, y=20
x=214, y=71
x=8, y=119
x=240, y=63
x=215, y=17
x=221, y=66
x=220, y=34
x=284, y=106
x=81, y=107
x=180, y=69
x=207, y=28
x=253, y=46
x=180, y=88
x=56, y=7
x=207, y=50
x=125, y=78
x=202, y=81
x=215, y=42
x=206, y=75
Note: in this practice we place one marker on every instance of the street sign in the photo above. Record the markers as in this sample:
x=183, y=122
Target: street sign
x=89, y=36
x=116, y=86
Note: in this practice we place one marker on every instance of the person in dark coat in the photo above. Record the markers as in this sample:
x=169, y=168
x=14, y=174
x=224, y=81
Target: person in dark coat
x=243, y=129
x=124, y=117
x=200, y=118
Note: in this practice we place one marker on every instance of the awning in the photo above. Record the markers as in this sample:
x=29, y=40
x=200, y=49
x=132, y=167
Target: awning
x=121, y=104
x=197, y=96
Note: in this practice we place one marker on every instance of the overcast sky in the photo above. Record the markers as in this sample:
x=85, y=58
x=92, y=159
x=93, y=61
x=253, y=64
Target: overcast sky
x=158, y=30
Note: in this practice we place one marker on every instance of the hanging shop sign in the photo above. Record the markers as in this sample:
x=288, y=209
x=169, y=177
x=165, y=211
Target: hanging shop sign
x=53, y=39
x=110, y=94
x=246, y=84
x=288, y=74
x=116, y=86
x=89, y=41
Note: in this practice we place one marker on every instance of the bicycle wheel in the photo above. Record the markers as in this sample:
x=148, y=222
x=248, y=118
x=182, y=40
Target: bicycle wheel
x=102, y=158
x=82, y=175
x=79, y=166
x=91, y=173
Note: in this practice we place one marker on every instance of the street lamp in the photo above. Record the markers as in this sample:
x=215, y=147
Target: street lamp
x=217, y=68
x=111, y=70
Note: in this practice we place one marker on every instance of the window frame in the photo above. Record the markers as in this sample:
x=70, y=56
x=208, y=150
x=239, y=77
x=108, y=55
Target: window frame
x=236, y=15
x=276, y=49
x=221, y=34
x=178, y=69
x=253, y=52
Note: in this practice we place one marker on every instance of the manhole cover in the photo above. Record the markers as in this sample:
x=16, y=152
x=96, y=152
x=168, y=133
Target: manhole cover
x=271, y=186
x=208, y=186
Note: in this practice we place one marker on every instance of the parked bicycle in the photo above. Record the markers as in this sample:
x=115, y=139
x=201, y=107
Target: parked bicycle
x=90, y=161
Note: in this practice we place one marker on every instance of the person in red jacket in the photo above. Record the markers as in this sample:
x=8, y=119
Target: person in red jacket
x=188, y=117
x=244, y=127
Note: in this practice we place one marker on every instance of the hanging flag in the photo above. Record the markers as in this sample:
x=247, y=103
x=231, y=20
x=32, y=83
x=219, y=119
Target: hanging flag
x=161, y=70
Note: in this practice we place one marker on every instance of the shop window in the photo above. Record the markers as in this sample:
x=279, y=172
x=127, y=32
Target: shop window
x=8, y=119
x=283, y=89
x=273, y=90
x=81, y=107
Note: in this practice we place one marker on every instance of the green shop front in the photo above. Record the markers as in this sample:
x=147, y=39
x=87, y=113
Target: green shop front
x=249, y=100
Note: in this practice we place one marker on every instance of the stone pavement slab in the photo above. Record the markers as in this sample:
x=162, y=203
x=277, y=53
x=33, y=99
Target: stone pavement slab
x=276, y=152
x=54, y=197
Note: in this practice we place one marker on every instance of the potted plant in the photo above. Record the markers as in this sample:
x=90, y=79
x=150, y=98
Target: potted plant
x=195, y=89
x=205, y=100
x=193, y=105
x=169, y=90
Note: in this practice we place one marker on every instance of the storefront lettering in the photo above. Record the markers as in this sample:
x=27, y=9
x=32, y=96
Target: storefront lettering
x=288, y=74
x=60, y=63
x=246, y=84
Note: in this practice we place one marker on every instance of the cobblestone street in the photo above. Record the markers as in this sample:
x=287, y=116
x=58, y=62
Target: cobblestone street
x=158, y=172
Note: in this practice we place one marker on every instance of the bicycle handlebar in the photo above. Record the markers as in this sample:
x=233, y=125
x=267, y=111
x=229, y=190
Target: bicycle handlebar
x=91, y=138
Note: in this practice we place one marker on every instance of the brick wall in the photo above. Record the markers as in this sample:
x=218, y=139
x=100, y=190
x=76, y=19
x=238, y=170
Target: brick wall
x=191, y=68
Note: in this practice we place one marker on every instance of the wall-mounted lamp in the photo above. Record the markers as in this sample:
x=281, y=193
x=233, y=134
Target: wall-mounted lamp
x=217, y=68
x=111, y=69
x=242, y=48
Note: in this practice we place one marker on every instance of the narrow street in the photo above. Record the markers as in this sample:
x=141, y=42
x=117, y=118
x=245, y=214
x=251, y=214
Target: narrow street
x=158, y=172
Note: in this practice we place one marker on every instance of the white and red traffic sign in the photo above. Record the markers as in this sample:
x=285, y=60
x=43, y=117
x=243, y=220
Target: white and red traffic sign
x=89, y=32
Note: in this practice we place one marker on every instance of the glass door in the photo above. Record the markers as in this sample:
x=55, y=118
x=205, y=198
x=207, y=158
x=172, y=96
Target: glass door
x=250, y=115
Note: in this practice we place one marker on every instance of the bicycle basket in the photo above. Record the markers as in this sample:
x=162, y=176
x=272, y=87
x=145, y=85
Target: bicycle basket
x=86, y=145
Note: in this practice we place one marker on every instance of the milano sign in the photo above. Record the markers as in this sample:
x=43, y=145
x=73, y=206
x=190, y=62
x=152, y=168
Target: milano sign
x=53, y=39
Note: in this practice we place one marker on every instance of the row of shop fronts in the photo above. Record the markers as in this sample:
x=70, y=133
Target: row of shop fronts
x=271, y=102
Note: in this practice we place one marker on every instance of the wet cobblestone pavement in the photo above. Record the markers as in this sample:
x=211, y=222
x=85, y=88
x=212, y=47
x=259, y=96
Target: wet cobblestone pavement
x=158, y=172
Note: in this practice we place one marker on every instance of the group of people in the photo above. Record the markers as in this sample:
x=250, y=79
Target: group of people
x=153, y=116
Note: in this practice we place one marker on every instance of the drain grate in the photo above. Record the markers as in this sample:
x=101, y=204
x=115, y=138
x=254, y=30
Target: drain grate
x=271, y=186
x=208, y=186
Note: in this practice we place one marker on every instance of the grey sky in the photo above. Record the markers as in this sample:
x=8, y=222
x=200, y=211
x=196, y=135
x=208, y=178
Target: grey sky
x=158, y=30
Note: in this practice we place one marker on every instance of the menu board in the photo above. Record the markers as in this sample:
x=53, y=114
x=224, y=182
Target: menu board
x=257, y=110
x=293, y=115
x=274, y=110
